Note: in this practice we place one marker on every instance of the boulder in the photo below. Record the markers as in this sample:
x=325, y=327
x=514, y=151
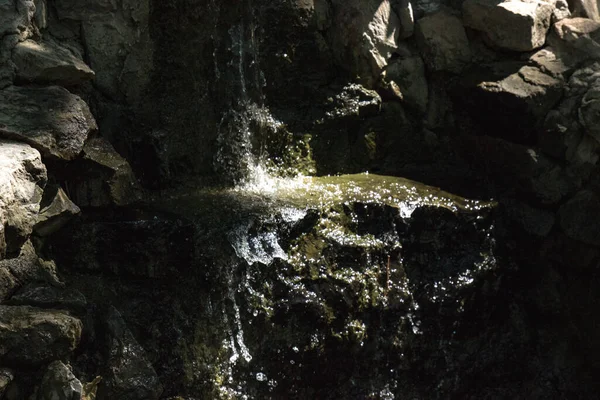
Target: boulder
x=22, y=179
x=56, y=212
x=117, y=41
x=50, y=119
x=32, y=336
x=128, y=375
x=534, y=221
x=577, y=215
x=561, y=11
x=580, y=36
x=41, y=14
x=102, y=177
x=6, y=377
x=42, y=295
x=59, y=383
x=519, y=171
x=14, y=272
x=15, y=18
x=404, y=11
x=443, y=42
x=507, y=99
x=589, y=111
x=363, y=36
x=49, y=63
x=586, y=9
x=409, y=74
x=510, y=25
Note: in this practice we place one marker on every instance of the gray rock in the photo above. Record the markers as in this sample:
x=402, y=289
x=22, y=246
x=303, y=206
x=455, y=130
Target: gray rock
x=589, y=111
x=59, y=383
x=580, y=36
x=104, y=177
x=32, y=336
x=41, y=14
x=363, y=36
x=44, y=296
x=50, y=119
x=520, y=171
x=586, y=9
x=128, y=375
x=49, y=63
x=14, y=272
x=561, y=11
x=511, y=25
x=15, y=17
x=577, y=217
x=409, y=74
x=404, y=10
x=443, y=42
x=22, y=179
x=532, y=220
x=6, y=377
x=56, y=214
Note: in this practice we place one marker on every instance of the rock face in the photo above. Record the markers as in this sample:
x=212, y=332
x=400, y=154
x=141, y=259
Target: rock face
x=32, y=336
x=576, y=214
x=129, y=375
x=364, y=35
x=409, y=74
x=118, y=44
x=502, y=91
x=510, y=25
x=55, y=214
x=59, y=383
x=103, y=177
x=43, y=296
x=50, y=119
x=22, y=179
x=443, y=42
x=49, y=63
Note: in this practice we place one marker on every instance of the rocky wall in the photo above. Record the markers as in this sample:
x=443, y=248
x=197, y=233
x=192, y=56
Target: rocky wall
x=482, y=98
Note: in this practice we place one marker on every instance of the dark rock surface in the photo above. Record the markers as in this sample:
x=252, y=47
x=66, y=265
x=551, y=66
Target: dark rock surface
x=51, y=119
x=32, y=336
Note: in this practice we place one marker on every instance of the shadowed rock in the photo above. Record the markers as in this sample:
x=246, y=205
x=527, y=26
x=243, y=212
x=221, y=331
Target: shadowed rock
x=49, y=63
x=51, y=119
x=32, y=336
x=55, y=214
x=59, y=383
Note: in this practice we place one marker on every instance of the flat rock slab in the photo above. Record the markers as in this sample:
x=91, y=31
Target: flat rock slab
x=31, y=336
x=22, y=179
x=48, y=62
x=51, y=119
